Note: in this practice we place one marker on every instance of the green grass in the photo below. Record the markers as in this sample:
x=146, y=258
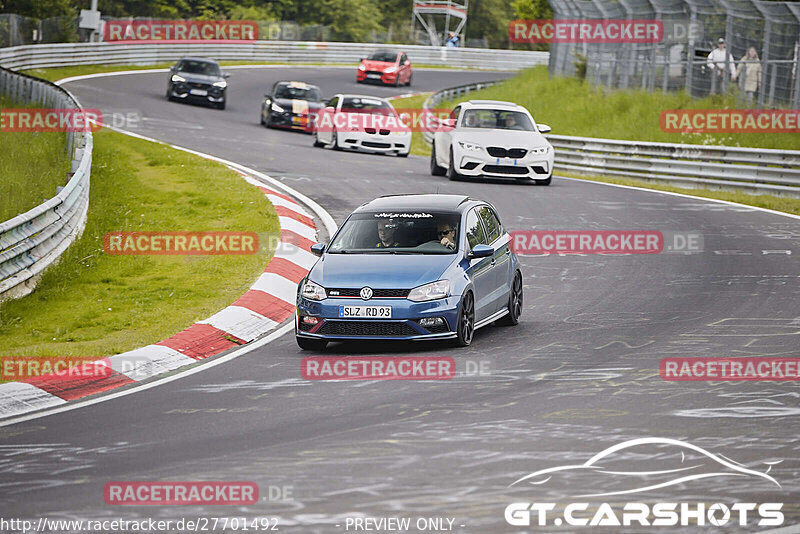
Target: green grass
x=93, y=304
x=571, y=107
x=33, y=165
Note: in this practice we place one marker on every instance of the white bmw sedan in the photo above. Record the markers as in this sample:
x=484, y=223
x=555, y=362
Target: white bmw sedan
x=367, y=123
x=493, y=139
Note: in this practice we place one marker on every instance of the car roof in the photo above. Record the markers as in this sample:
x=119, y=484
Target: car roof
x=344, y=95
x=287, y=82
x=492, y=104
x=418, y=202
x=198, y=58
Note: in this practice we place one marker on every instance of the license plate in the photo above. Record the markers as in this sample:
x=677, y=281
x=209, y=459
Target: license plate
x=368, y=312
x=199, y=92
x=300, y=120
x=374, y=76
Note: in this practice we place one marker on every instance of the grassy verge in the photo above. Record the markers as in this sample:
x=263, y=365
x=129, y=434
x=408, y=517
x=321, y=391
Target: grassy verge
x=57, y=73
x=34, y=164
x=95, y=304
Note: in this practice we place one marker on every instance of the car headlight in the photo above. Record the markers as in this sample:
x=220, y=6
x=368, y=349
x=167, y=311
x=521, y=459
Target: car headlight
x=469, y=146
x=222, y=83
x=435, y=290
x=276, y=107
x=362, y=67
x=540, y=150
x=178, y=78
x=313, y=291
x=390, y=70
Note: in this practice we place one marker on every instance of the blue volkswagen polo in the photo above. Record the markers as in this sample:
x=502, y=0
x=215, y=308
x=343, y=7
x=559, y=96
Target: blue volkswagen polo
x=411, y=267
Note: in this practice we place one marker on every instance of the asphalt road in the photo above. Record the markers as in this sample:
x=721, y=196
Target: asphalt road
x=577, y=375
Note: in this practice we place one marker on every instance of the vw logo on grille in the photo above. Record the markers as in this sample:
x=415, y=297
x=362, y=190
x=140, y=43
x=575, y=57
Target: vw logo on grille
x=366, y=293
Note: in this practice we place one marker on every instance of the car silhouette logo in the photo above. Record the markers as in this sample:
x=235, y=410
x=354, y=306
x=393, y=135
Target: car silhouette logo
x=366, y=293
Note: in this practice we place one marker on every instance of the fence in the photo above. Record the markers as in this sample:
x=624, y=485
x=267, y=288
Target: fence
x=751, y=170
x=770, y=30
x=33, y=240
x=58, y=55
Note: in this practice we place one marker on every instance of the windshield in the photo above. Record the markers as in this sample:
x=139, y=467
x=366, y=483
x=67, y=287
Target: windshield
x=413, y=232
x=383, y=55
x=291, y=92
x=497, y=119
x=198, y=67
x=366, y=105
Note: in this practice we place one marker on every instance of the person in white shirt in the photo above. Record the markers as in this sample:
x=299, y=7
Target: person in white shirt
x=716, y=62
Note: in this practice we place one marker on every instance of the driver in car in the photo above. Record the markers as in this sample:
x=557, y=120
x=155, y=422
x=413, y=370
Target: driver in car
x=510, y=122
x=447, y=235
x=386, y=231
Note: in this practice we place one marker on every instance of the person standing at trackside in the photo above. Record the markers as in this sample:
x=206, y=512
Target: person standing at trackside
x=751, y=66
x=452, y=41
x=717, y=60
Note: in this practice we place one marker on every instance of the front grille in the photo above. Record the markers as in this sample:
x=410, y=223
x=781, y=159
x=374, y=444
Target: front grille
x=379, y=73
x=500, y=152
x=376, y=293
x=366, y=328
x=505, y=169
x=372, y=144
x=196, y=85
x=384, y=132
x=370, y=130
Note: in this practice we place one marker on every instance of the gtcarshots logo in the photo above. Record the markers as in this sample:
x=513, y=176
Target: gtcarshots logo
x=617, y=471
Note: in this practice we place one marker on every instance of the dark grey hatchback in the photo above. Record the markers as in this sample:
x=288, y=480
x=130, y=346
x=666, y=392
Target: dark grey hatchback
x=198, y=79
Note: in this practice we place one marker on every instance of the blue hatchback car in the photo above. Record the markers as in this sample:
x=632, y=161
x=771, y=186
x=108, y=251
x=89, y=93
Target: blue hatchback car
x=411, y=267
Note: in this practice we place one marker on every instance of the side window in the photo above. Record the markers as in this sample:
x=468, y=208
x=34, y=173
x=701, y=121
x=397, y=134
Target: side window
x=403, y=59
x=493, y=228
x=455, y=113
x=475, y=234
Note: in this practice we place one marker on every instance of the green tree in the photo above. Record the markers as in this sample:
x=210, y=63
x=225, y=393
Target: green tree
x=489, y=19
x=38, y=9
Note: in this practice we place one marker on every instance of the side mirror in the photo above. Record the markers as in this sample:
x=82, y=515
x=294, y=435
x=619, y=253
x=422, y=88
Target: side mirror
x=480, y=251
x=226, y=75
x=408, y=62
x=317, y=249
x=267, y=95
x=172, y=68
x=362, y=59
x=543, y=128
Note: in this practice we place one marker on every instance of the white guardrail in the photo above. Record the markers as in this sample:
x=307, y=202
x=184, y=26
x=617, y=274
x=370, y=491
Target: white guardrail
x=751, y=170
x=59, y=55
x=33, y=240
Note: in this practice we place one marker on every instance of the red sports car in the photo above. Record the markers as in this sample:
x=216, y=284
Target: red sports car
x=385, y=66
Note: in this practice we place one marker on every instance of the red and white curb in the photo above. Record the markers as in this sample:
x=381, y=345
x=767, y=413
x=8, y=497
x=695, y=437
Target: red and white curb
x=267, y=304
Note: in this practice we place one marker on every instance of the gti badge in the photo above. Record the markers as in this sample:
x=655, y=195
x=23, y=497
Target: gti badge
x=366, y=293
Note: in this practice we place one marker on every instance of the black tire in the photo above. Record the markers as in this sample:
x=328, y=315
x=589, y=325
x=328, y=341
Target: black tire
x=436, y=170
x=466, y=321
x=335, y=141
x=306, y=343
x=268, y=120
x=403, y=154
x=221, y=105
x=410, y=76
x=451, y=169
x=317, y=142
x=514, y=303
x=169, y=94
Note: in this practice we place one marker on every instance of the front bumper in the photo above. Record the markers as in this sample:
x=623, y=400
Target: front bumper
x=475, y=163
x=403, y=325
x=398, y=143
x=294, y=121
x=377, y=77
x=183, y=91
